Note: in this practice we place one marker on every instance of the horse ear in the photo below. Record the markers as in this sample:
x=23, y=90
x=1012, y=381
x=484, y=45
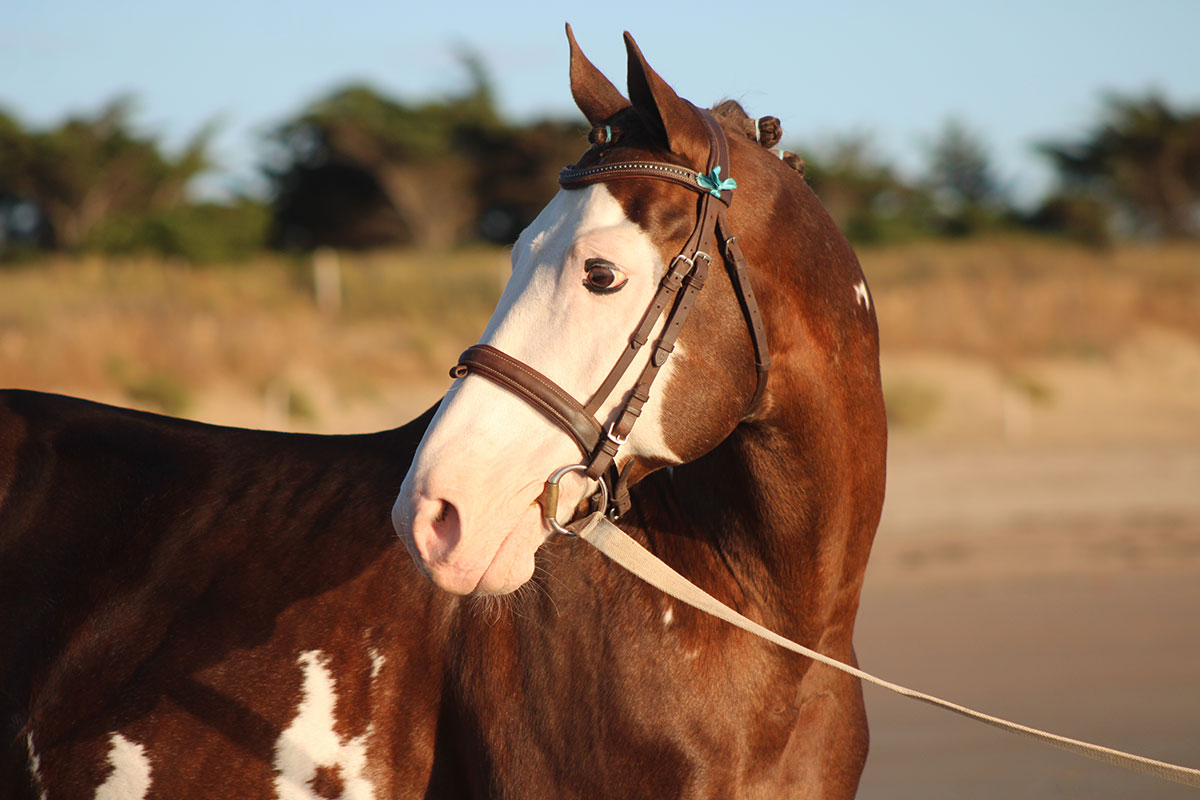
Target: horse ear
x=595, y=95
x=671, y=119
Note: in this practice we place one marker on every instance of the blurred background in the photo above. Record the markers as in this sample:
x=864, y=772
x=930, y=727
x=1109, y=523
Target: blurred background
x=295, y=215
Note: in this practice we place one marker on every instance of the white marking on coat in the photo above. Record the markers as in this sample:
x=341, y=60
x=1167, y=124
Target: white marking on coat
x=861, y=296
x=310, y=741
x=378, y=659
x=130, y=776
x=648, y=439
x=35, y=767
x=668, y=616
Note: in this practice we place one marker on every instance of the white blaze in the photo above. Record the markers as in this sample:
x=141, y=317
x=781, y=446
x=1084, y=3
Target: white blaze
x=487, y=451
x=130, y=776
x=311, y=742
x=546, y=318
x=577, y=343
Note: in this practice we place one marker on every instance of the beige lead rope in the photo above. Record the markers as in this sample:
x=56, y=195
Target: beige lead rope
x=618, y=546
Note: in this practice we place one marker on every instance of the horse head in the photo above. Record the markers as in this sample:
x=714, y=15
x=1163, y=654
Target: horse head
x=665, y=191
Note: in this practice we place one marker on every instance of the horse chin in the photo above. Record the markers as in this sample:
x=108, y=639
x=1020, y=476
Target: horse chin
x=513, y=565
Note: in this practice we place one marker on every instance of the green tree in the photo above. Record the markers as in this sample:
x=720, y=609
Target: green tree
x=93, y=168
x=966, y=192
x=1142, y=162
x=864, y=194
x=358, y=168
x=201, y=233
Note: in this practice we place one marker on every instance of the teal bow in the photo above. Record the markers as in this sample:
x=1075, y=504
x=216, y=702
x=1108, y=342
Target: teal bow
x=713, y=182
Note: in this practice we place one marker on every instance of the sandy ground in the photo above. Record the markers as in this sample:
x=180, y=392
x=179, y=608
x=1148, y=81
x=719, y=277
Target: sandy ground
x=1056, y=584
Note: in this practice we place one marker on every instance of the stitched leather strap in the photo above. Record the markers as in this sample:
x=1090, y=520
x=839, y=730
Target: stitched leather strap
x=665, y=295
x=572, y=178
x=629, y=413
x=531, y=385
x=711, y=220
x=736, y=263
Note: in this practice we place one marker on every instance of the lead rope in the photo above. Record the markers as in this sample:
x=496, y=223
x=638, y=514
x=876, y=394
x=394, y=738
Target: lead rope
x=618, y=546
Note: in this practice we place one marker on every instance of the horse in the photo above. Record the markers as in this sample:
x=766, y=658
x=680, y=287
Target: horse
x=195, y=611
x=764, y=486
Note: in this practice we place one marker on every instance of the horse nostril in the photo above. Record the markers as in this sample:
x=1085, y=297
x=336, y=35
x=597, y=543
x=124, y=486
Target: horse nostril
x=446, y=527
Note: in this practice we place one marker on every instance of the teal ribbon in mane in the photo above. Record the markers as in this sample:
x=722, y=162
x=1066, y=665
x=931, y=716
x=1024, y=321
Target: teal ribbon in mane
x=713, y=182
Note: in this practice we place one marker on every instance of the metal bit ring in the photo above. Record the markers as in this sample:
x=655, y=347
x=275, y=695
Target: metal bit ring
x=548, y=499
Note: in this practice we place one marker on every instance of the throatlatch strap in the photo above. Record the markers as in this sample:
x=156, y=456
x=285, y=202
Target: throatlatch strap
x=736, y=263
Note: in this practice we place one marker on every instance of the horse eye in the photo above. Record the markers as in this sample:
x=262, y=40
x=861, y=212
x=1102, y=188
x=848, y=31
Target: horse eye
x=603, y=277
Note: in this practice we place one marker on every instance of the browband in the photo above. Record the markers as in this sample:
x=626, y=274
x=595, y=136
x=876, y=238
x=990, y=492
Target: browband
x=573, y=178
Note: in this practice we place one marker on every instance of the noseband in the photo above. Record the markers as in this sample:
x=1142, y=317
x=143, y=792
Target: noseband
x=677, y=290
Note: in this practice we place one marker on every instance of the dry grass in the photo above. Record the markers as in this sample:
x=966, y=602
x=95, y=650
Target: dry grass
x=1014, y=298
x=252, y=341
x=159, y=335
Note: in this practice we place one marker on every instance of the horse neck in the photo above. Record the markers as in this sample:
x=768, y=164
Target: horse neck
x=784, y=510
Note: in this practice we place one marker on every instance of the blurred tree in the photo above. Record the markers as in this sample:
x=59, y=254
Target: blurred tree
x=517, y=174
x=1142, y=161
x=967, y=195
x=358, y=169
x=200, y=233
x=863, y=193
x=90, y=169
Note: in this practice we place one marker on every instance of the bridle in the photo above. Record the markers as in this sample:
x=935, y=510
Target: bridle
x=678, y=289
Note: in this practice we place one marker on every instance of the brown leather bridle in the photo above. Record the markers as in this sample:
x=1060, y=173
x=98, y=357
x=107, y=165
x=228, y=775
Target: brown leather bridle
x=678, y=289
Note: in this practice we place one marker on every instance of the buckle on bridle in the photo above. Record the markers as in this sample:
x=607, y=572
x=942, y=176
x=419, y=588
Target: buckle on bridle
x=612, y=436
x=684, y=259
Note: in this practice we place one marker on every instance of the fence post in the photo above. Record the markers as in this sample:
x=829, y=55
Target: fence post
x=327, y=280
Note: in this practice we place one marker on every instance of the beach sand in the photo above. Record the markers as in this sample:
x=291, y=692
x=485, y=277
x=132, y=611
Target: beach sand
x=1057, y=585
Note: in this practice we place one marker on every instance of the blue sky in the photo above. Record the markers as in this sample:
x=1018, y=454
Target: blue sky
x=1017, y=72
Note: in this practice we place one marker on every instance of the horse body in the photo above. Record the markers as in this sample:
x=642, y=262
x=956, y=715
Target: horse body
x=188, y=588
x=193, y=590
x=191, y=611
